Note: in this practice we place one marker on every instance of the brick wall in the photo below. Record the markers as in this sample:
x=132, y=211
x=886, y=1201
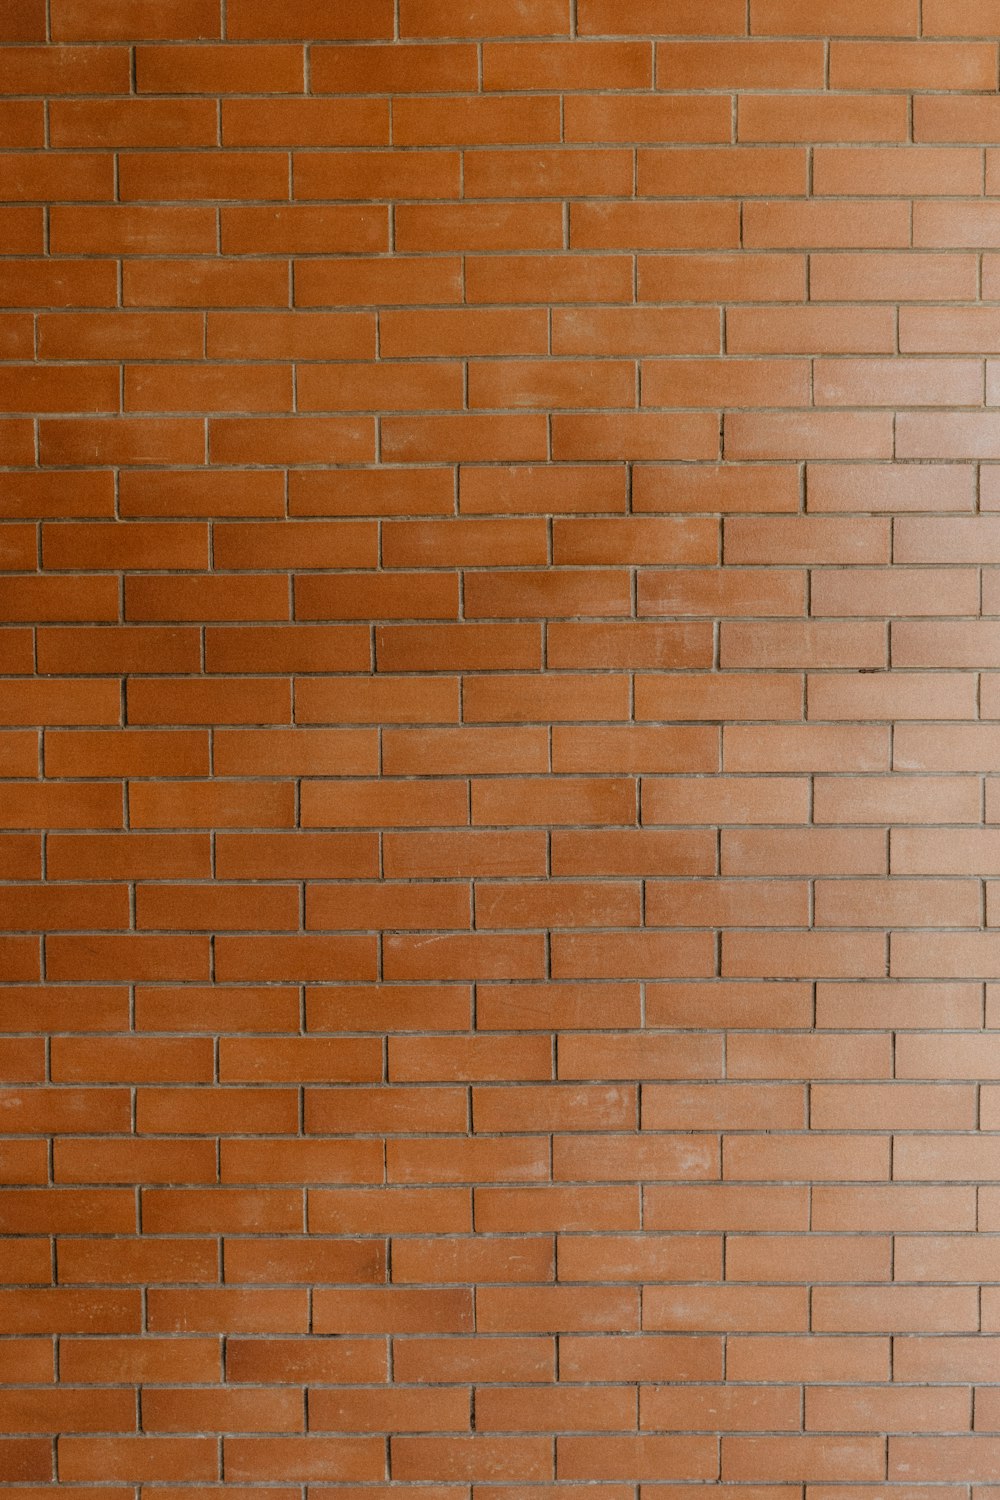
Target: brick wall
x=501, y=681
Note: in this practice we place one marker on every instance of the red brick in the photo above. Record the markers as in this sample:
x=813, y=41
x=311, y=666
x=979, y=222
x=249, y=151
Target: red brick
x=892, y=277
x=247, y=1360
x=820, y=644
x=188, y=493
x=812, y=330
x=738, y=1410
x=533, y=173
x=219, y=70
x=846, y=17
x=549, y=278
x=475, y=121
x=472, y=1458
x=637, y=1458
x=810, y=1458
x=131, y=440
x=817, y=117
x=783, y=225
x=23, y=23
x=819, y=435
x=205, y=283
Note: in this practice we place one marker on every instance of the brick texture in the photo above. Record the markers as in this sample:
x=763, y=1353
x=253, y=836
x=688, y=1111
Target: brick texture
x=500, y=749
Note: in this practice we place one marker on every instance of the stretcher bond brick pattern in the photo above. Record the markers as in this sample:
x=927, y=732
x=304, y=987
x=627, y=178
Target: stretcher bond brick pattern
x=500, y=749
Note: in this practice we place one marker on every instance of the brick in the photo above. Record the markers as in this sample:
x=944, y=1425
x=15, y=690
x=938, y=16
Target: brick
x=957, y=647
x=451, y=17
x=32, y=176
x=188, y=494
x=808, y=747
x=814, y=330
x=810, y=1458
x=394, y=1109
x=738, y=1410
x=783, y=225
x=896, y=903
x=197, y=19
x=547, y=173
x=133, y=122
x=119, y=649
x=643, y=435
x=628, y=645
x=305, y=1358
x=563, y=595
x=881, y=591
x=205, y=283
x=637, y=117
x=66, y=908
x=159, y=388
x=873, y=799
x=903, y=382
x=219, y=70
x=347, y=283
x=830, y=1056
x=819, y=435
x=866, y=117
x=182, y=1111
x=914, y=170
x=132, y=230
x=368, y=700
x=750, y=953
x=140, y=856
x=110, y=335
x=632, y=750
x=816, y=1257
x=389, y=387
x=46, y=495
x=908, y=1005
x=638, y=1458
x=653, y=226
x=463, y=438
x=922, y=65
x=306, y=122
x=21, y=123
x=289, y=440
x=47, y=806
x=98, y=1110
x=367, y=492
x=566, y=384
x=977, y=1455
x=131, y=440
x=812, y=1358
x=293, y=648
x=729, y=1004
x=549, y=278
x=847, y=17
x=24, y=23
x=375, y=69
x=811, y=644
x=718, y=383
x=472, y=1458
x=475, y=121
x=732, y=591
x=226, y=700
x=954, y=119
x=57, y=389
x=892, y=277
x=924, y=695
